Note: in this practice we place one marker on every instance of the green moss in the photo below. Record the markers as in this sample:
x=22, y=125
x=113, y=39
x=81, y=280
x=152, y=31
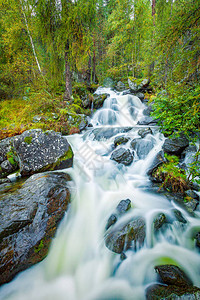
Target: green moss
x=11, y=157
x=41, y=245
x=28, y=139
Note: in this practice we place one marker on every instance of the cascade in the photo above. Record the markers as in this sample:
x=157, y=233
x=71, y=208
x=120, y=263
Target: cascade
x=79, y=266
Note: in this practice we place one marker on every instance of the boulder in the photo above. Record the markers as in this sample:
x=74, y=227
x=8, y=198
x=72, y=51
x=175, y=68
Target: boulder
x=172, y=275
x=172, y=292
x=122, y=156
x=8, y=157
x=29, y=217
x=120, y=140
x=147, y=111
x=40, y=151
x=175, y=146
x=159, y=221
x=126, y=236
x=178, y=215
x=137, y=88
x=111, y=221
x=144, y=131
x=99, y=100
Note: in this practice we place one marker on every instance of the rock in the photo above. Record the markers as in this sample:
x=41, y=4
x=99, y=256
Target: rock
x=29, y=217
x=191, y=204
x=175, y=146
x=106, y=133
x=158, y=160
x=144, y=132
x=172, y=275
x=120, y=86
x=40, y=151
x=147, y=111
x=7, y=167
x=122, y=156
x=136, y=88
x=99, y=100
x=142, y=146
x=36, y=119
x=179, y=216
x=140, y=96
x=120, y=140
x=83, y=124
x=112, y=220
x=132, y=85
x=5, y=148
x=192, y=194
x=5, y=180
x=86, y=102
x=197, y=237
x=127, y=236
x=126, y=92
x=172, y=292
x=147, y=121
x=159, y=221
x=123, y=206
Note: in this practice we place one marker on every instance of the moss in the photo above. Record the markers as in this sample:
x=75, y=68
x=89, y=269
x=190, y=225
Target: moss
x=28, y=139
x=11, y=157
x=41, y=245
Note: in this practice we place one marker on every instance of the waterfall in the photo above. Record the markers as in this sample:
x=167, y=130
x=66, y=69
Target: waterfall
x=79, y=266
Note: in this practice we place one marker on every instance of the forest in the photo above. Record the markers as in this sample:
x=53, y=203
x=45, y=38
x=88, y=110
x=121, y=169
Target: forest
x=99, y=149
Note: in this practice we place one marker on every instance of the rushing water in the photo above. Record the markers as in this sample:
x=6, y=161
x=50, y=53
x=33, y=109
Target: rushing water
x=79, y=266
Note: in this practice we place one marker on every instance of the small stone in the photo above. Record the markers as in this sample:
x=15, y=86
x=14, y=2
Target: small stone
x=144, y=132
x=159, y=221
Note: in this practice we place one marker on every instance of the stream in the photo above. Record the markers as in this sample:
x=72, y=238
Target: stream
x=79, y=266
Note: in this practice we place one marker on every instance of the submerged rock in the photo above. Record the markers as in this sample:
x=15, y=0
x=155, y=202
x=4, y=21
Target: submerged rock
x=122, y=156
x=29, y=217
x=127, y=236
x=175, y=146
x=40, y=151
x=111, y=221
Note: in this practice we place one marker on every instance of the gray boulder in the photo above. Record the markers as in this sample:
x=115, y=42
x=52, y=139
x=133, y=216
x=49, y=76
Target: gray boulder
x=125, y=237
x=40, y=151
x=29, y=217
x=120, y=140
x=120, y=86
x=144, y=131
x=175, y=146
x=158, y=160
x=142, y=146
x=122, y=156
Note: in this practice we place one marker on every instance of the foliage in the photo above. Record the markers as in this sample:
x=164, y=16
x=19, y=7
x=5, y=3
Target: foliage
x=174, y=179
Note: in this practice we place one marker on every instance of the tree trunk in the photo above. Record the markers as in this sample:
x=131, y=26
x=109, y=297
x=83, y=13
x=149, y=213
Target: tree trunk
x=68, y=84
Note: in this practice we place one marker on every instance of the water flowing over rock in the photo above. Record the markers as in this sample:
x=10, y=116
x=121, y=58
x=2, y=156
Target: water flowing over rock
x=29, y=217
x=122, y=156
x=38, y=151
x=106, y=133
x=172, y=275
x=175, y=146
x=127, y=236
x=142, y=146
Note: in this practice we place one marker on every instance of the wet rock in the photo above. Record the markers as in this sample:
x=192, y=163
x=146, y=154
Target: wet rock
x=127, y=236
x=147, y=121
x=159, y=221
x=179, y=216
x=142, y=146
x=106, y=133
x=29, y=217
x=172, y=275
x=99, y=100
x=126, y=92
x=120, y=140
x=123, y=206
x=120, y=86
x=175, y=146
x=108, y=82
x=191, y=204
x=158, y=291
x=158, y=160
x=144, y=132
x=122, y=156
x=39, y=151
x=111, y=221
x=83, y=124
